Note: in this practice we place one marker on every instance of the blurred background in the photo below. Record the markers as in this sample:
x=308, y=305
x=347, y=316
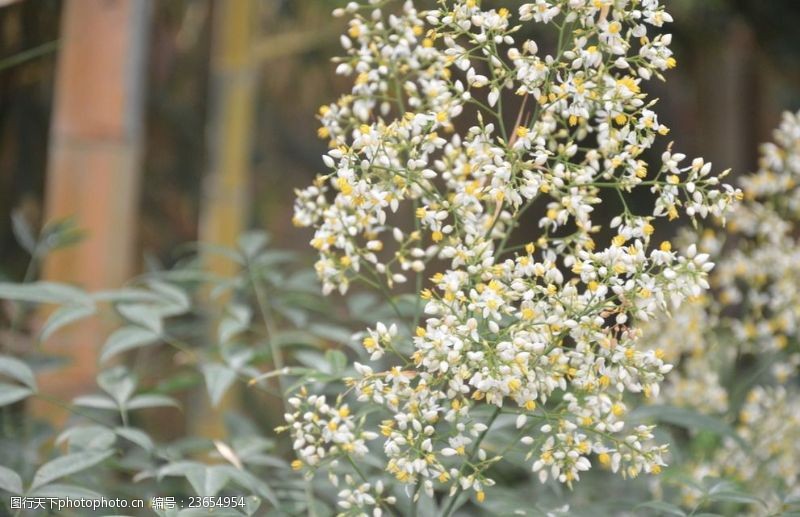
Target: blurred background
x=156, y=123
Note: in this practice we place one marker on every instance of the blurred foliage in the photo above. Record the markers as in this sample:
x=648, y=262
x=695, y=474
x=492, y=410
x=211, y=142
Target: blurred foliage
x=184, y=333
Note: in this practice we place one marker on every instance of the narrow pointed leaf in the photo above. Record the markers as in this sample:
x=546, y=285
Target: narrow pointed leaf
x=63, y=316
x=23, y=231
x=253, y=483
x=17, y=370
x=10, y=481
x=235, y=321
x=90, y=437
x=65, y=491
x=218, y=379
x=126, y=295
x=337, y=361
x=127, y=338
x=95, y=402
x=10, y=393
x=178, y=468
x=176, y=301
x=136, y=436
x=118, y=382
x=251, y=243
x=43, y=292
x=207, y=481
x=735, y=496
x=148, y=401
x=147, y=316
x=66, y=465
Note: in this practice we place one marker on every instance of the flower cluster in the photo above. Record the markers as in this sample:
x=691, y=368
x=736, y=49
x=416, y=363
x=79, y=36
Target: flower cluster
x=460, y=123
x=322, y=432
x=751, y=317
x=359, y=497
x=327, y=435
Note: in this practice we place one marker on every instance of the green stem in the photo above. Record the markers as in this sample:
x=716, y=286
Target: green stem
x=415, y=500
x=451, y=504
x=418, y=279
x=310, y=496
x=29, y=54
x=269, y=324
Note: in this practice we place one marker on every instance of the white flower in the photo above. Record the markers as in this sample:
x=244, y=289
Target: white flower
x=501, y=327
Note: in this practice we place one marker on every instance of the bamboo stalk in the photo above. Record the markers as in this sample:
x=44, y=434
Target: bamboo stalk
x=94, y=162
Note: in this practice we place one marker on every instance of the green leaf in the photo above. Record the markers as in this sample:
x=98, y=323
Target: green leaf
x=235, y=321
x=305, y=281
x=314, y=360
x=251, y=482
x=238, y=358
x=126, y=295
x=136, y=436
x=10, y=393
x=687, y=418
x=117, y=382
x=63, y=316
x=269, y=264
x=337, y=361
x=23, y=232
x=90, y=437
x=735, y=496
x=663, y=507
x=175, y=299
x=67, y=465
x=222, y=251
x=218, y=379
x=177, y=468
x=95, y=402
x=297, y=317
x=127, y=338
x=334, y=333
x=207, y=481
x=17, y=370
x=10, y=481
x=43, y=292
x=180, y=381
x=148, y=401
x=253, y=242
x=713, y=485
x=65, y=491
x=293, y=338
x=223, y=287
x=147, y=316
